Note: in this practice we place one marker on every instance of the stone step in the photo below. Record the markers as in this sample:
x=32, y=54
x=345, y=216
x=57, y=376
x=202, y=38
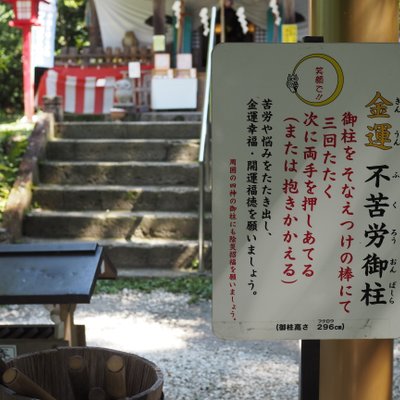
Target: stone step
x=122, y=173
x=113, y=224
x=145, y=257
x=129, y=130
x=130, y=186
x=104, y=197
x=170, y=116
x=123, y=150
x=142, y=255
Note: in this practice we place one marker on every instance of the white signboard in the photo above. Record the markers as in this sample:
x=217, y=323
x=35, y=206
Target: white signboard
x=306, y=200
x=43, y=36
x=134, y=70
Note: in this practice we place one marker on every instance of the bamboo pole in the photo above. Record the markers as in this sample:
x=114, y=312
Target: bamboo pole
x=97, y=393
x=115, y=377
x=79, y=377
x=23, y=385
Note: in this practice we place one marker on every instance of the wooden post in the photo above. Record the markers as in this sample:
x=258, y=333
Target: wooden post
x=354, y=21
x=159, y=17
x=222, y=20
x=309, y=370
x=355, y=369
x=63, y=316
x=179, y=44
x=289, y=14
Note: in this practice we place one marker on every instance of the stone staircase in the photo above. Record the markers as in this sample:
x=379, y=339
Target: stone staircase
x=129, y=186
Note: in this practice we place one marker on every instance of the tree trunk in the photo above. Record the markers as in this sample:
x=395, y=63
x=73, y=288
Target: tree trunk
x=94, y=30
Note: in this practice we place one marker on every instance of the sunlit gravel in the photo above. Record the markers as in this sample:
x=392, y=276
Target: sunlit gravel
x=177, y=336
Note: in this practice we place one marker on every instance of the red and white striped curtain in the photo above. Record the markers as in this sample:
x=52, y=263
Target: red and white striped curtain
x=88, y=90
x=81, y=95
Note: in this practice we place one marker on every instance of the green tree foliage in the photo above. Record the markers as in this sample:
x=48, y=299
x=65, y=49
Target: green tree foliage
x=71, y=29
x=10, y=62
x=13, y=142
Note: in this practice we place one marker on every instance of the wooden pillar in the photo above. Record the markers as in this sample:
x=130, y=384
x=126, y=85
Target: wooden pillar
x=67, y=318
x=159, y=17
x=354, y=20
x=355, y=369
x=289, y=14
x=179, y=44
x=222, y=20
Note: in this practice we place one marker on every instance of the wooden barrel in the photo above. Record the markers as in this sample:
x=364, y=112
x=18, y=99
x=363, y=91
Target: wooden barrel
x=49, y=369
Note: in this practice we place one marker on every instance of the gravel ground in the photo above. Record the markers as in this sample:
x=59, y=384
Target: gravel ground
x=177, y=336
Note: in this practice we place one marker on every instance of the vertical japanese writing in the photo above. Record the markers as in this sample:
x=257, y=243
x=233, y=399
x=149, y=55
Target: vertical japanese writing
x=266, y=144
x=313, y=179
x=290, y=190
x=376, y=234
x=397, y=102
x=348, y=139
x=309, y=201
x=379, y=133
x=301, y=186
x=232, y=245
x=319, y=83
x=252, y=189
x=378, y=230
x=258, y=179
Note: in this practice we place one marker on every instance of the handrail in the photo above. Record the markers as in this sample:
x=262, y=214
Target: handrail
x=205, y=138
